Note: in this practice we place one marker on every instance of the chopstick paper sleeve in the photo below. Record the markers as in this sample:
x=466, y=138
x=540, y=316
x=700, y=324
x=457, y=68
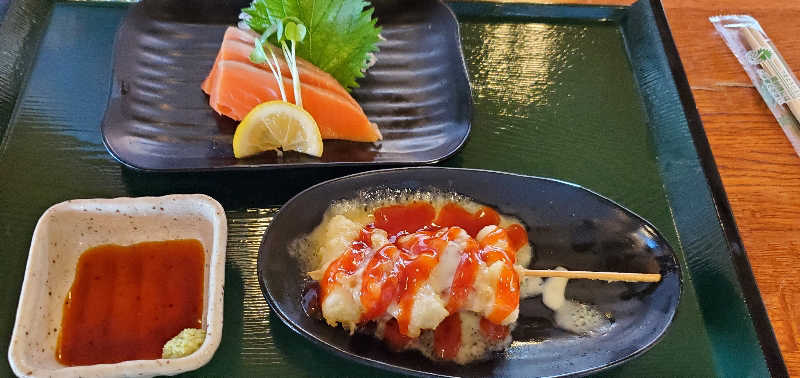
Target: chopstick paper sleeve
x=766, y=68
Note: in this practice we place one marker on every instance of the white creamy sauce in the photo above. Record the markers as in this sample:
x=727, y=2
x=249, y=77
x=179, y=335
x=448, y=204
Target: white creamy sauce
x=441, y=277
x=326, y=243
x=531, y=286
x=581, y=319
x=524, y=255
x=485, y=231
x=341, y=225
x=553, y=291
x=570, y=315
x=481, y=299
x=427, y=311
x=474, y=345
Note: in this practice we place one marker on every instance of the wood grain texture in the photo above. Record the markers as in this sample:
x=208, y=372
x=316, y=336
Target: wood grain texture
x=760, y=170
x=759, y=167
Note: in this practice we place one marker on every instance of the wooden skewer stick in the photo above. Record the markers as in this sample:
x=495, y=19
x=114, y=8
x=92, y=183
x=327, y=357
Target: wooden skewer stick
x=604, y=276
x=573, y=274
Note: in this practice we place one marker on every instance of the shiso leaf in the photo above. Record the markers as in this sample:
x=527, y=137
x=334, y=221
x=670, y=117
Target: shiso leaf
x=339, y=34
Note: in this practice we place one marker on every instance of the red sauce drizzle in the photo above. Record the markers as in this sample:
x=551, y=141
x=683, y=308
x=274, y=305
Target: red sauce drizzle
x=311, y=303
x=495, y=247
x=391, y=334
x=420, y=255
x=447, y=337
x=500, y=245
x=464, y=277
x=380, y=283
x=348, y=262
x=494, y=332
x=404, y=219
x=506, y=296
x=517, y=236
x=397, y=271
x=453, y=214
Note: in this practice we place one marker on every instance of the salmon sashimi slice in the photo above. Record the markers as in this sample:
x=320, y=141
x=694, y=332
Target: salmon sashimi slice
x=234, y=48
x=241, y=35
x=248, y=37
x=238, y=87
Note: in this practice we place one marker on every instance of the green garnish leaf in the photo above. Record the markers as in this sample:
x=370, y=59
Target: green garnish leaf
x=337, y=36
x=272, y=29
x=258, y=55
x=295, y=32
x=291, y=31
x=280, y=29
x=286, y=29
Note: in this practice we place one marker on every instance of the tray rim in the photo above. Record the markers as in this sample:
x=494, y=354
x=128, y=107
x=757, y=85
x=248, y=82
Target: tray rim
x=288, y=166
x=754, y=303
x=744, y=273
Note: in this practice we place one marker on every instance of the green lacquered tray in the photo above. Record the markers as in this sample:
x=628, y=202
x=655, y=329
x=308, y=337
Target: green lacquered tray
x=592, y=95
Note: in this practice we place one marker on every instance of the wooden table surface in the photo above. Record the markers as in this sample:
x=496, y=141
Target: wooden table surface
x=760, y=170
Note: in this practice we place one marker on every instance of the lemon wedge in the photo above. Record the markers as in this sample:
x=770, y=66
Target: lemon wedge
x=277, y=124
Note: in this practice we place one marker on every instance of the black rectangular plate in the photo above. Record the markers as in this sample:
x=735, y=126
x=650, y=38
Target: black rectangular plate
x=158, y=118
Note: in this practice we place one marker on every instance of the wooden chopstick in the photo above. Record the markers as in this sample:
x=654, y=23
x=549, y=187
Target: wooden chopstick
x=774, y=67
x=573, y=274
x=604, y=276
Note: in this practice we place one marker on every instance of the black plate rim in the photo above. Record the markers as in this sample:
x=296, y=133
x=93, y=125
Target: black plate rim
x=271, y=167
x=389, y=367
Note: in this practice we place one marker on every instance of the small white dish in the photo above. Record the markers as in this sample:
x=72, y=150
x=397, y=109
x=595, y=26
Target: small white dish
x=67, y=229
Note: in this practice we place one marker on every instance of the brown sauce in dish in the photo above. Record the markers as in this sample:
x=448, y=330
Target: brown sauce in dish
x=127, y=301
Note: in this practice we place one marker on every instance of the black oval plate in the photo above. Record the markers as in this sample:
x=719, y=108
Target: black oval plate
x=568, y=226
x=158, y=118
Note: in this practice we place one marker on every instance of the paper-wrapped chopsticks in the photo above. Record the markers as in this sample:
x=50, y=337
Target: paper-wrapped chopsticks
x=766, y=68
